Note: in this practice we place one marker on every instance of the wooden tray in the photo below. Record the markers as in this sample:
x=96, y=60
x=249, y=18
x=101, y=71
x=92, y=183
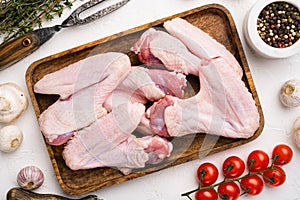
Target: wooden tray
x=215, y=20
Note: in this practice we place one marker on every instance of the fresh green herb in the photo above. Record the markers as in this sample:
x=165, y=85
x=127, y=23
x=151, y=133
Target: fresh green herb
x=17, y=17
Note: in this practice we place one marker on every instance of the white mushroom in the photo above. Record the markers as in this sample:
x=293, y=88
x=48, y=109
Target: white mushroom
x=10, y=138
x=290, y=93
x=13, y=102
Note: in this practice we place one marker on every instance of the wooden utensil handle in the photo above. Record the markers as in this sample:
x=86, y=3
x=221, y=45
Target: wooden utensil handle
x=21, y=194
x=17, y=49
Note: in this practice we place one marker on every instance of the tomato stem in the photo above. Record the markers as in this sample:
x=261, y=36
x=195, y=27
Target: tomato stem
x=245, y=192
x=203, y=173
x=251, y=162
x=275, y=157
x=190, y=192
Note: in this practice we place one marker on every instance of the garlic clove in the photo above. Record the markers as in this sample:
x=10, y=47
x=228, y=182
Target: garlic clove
x=296, y=132
x=30, y=178
x=13, y=102
x=11, y=138
x=290, y=93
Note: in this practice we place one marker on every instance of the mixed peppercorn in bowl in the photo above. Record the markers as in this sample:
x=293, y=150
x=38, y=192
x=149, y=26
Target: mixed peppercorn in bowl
x=272, y=28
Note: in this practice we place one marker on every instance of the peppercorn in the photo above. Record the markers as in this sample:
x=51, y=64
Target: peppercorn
x=278, y=24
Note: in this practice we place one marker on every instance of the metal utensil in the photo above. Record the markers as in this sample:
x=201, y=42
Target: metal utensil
x=15, y=50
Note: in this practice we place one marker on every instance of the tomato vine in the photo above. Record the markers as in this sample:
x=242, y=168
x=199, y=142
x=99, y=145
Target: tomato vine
x=252, y=183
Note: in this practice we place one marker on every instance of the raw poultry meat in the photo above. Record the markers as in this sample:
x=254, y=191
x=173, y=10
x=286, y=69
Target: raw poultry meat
x=155, y=116
x=200, y=43
x=109, y=68
x=80, y=109
x=181, y=52
x=143, y=85
x=142, y=49
x=215, y=109
x=59, y=121
x=222, y=107
x=98, y=115
x=109, y=142
x=169, y=82
x=136, y=87
x=172, y=84
x=159, y=49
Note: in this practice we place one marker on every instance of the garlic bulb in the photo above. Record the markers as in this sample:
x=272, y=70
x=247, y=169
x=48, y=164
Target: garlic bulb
x=296, y=132
x=30, y=178
x=290, y=93
x=10, y=138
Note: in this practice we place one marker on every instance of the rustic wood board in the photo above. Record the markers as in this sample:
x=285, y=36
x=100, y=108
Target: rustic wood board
x=215, y=20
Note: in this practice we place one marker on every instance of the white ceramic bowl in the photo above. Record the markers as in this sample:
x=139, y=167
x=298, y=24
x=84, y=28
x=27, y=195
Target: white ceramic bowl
x=253, y=38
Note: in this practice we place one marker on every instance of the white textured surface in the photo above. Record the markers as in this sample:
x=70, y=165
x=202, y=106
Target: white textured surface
x=168, y=184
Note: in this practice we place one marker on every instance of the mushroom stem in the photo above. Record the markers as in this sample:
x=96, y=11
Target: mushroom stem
x=4, y=104
x=289, y=89
x=15, y=143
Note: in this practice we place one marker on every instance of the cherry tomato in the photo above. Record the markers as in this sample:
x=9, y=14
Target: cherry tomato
x=257, y=161
x=229, y=191
x=207, y=194
x=274, y=177
x=282, y=154
x=207, y=174
x=233, y=167
x=252, y=185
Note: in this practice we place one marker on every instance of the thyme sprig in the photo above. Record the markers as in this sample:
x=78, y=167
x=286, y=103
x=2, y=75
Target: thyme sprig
x=18, y=17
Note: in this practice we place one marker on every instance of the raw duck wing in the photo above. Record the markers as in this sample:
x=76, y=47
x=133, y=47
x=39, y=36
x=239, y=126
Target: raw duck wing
x=108, y=142
x=136, y=87
x=84, y=73
x=143, y=85
x=65, y=116
x=222, y=107
x=59, y=121
x=142, y=49
x=160, y=50
x=144, y=126
x=200, y=43
x=169, y=82
x=155, y=148
x=172, y=84
x=90, y=146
